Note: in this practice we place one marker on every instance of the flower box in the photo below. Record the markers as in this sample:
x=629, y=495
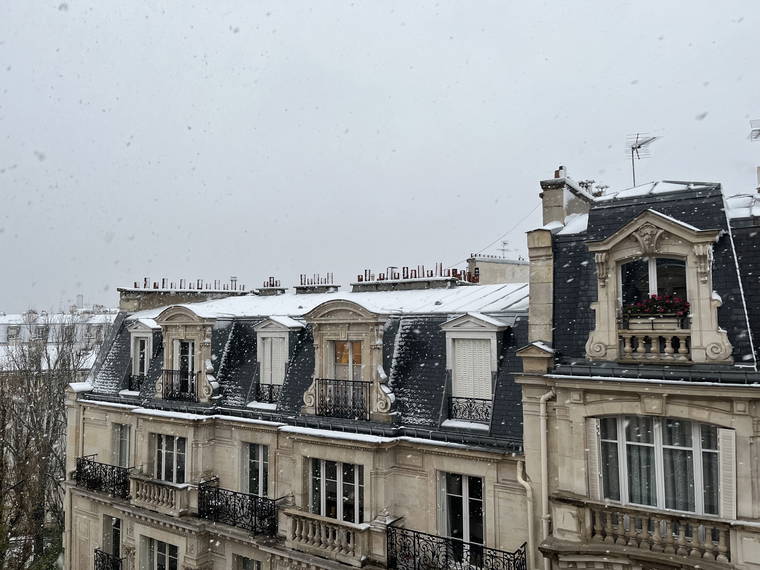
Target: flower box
x=653, y=323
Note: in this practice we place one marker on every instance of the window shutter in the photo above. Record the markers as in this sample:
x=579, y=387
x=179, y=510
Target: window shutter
x=592, y=459
x=266, y=361
x=463, y=373
x=727, y=475
x=279, y=359
x=482, y=369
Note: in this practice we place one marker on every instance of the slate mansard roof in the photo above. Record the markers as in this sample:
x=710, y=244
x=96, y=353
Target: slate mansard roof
x=414, y=355
x=735, y=267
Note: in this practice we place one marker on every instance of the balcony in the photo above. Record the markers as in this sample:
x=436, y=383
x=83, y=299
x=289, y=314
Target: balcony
x=413, y=550
x=161, y=496
x=650, y=534
x=180, y=385
x=265, y=393
x=343, y=398
x=102, y=477
x=257, y=515
x=105, y=561
x=329, y=538
x=477, y=410
x=656, y=340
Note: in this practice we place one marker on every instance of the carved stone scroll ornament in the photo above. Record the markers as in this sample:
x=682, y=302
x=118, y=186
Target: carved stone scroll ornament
x=704, y=255
x=310, y=396
x=648, y=236
x=602, y=268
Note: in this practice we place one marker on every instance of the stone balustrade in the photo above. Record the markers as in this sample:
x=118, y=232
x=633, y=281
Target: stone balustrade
x=329, y=538
x=651, y=339
x=161, y=496
x=698, y=540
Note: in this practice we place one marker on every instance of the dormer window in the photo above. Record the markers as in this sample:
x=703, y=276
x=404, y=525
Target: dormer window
x=642, y=278
x=471, y=363
x=655, y=254
x=273, y=359
x=141, y=355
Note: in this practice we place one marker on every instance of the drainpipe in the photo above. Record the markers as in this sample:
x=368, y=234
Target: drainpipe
x=545, y=516
x=529, y=496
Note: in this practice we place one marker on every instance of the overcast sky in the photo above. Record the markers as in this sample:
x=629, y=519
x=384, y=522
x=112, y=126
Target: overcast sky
x=216, y=138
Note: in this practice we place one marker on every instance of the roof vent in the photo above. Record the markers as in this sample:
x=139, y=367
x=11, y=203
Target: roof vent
x=316, y=284
x=408, y=278
x=271, y=287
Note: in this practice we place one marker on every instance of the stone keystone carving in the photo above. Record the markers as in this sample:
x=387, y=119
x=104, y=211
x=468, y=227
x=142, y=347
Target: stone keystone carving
x=648, y=235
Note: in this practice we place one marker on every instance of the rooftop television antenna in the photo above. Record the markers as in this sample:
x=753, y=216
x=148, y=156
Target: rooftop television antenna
x=638, y=147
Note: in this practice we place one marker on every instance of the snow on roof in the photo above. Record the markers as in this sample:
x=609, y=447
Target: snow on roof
x=287, y=321
x=675, y=221
x=510, y=297
x=743, y=206
x=574, y=224
x=482, y=317
x=660, y=187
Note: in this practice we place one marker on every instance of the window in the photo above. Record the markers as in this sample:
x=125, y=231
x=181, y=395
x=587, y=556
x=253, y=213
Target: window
x=141, y=355
x=347, y=362
x=169, y=458
x=664, y=463
x=112, y=536
x=243, y=563
x=337, y=490
x=41, y=332
x=463, y=507
x=471, y=376
x=161, y=556
x=13, y=333
x=273, y=359
x=258, y=469
x=641, y=278
x=121, y=433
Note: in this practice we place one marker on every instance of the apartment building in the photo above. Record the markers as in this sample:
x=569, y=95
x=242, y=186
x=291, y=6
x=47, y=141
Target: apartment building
x=640, y=381
x=315, y=428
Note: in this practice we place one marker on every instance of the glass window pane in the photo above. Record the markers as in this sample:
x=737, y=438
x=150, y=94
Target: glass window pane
x=679, y=479
x=634, y=277
x=341, y=352
x=639, y=429
x=671, y=277
x=641, y=475
x=476, y=522
x=331, y=499
x=610, y=471
x=360, y=479
x=356, y=353
x=608, y=428
x=475, y=487
x=453, y=484
x=455, y=516
x=710, y=482
x=316, y=490
x=676, y=432
x=253, y=469
x=709, y=437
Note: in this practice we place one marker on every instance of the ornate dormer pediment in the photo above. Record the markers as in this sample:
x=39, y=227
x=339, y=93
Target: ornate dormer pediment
x=340, y=310
x=278, y=324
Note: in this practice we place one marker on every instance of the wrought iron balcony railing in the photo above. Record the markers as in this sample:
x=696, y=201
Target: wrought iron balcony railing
x=257, y=515
x=413, y=550
x=343, y=398
x=180, y=385
x=135, y=382
x=266, y=393
x=470, y=409
x=102, y=477
x=106, y=561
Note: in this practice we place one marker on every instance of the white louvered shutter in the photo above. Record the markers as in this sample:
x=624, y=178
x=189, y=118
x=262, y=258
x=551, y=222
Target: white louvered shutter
x=592, y=459
x=279, y=360
x=462, y=382
x=727, y=475
x=481, y=369
x=266, y=361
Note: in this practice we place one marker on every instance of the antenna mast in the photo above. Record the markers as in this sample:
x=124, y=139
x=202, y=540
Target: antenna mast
x=638, y=147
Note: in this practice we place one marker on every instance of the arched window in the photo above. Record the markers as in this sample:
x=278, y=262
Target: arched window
x=641, y=278
x=666, y=463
